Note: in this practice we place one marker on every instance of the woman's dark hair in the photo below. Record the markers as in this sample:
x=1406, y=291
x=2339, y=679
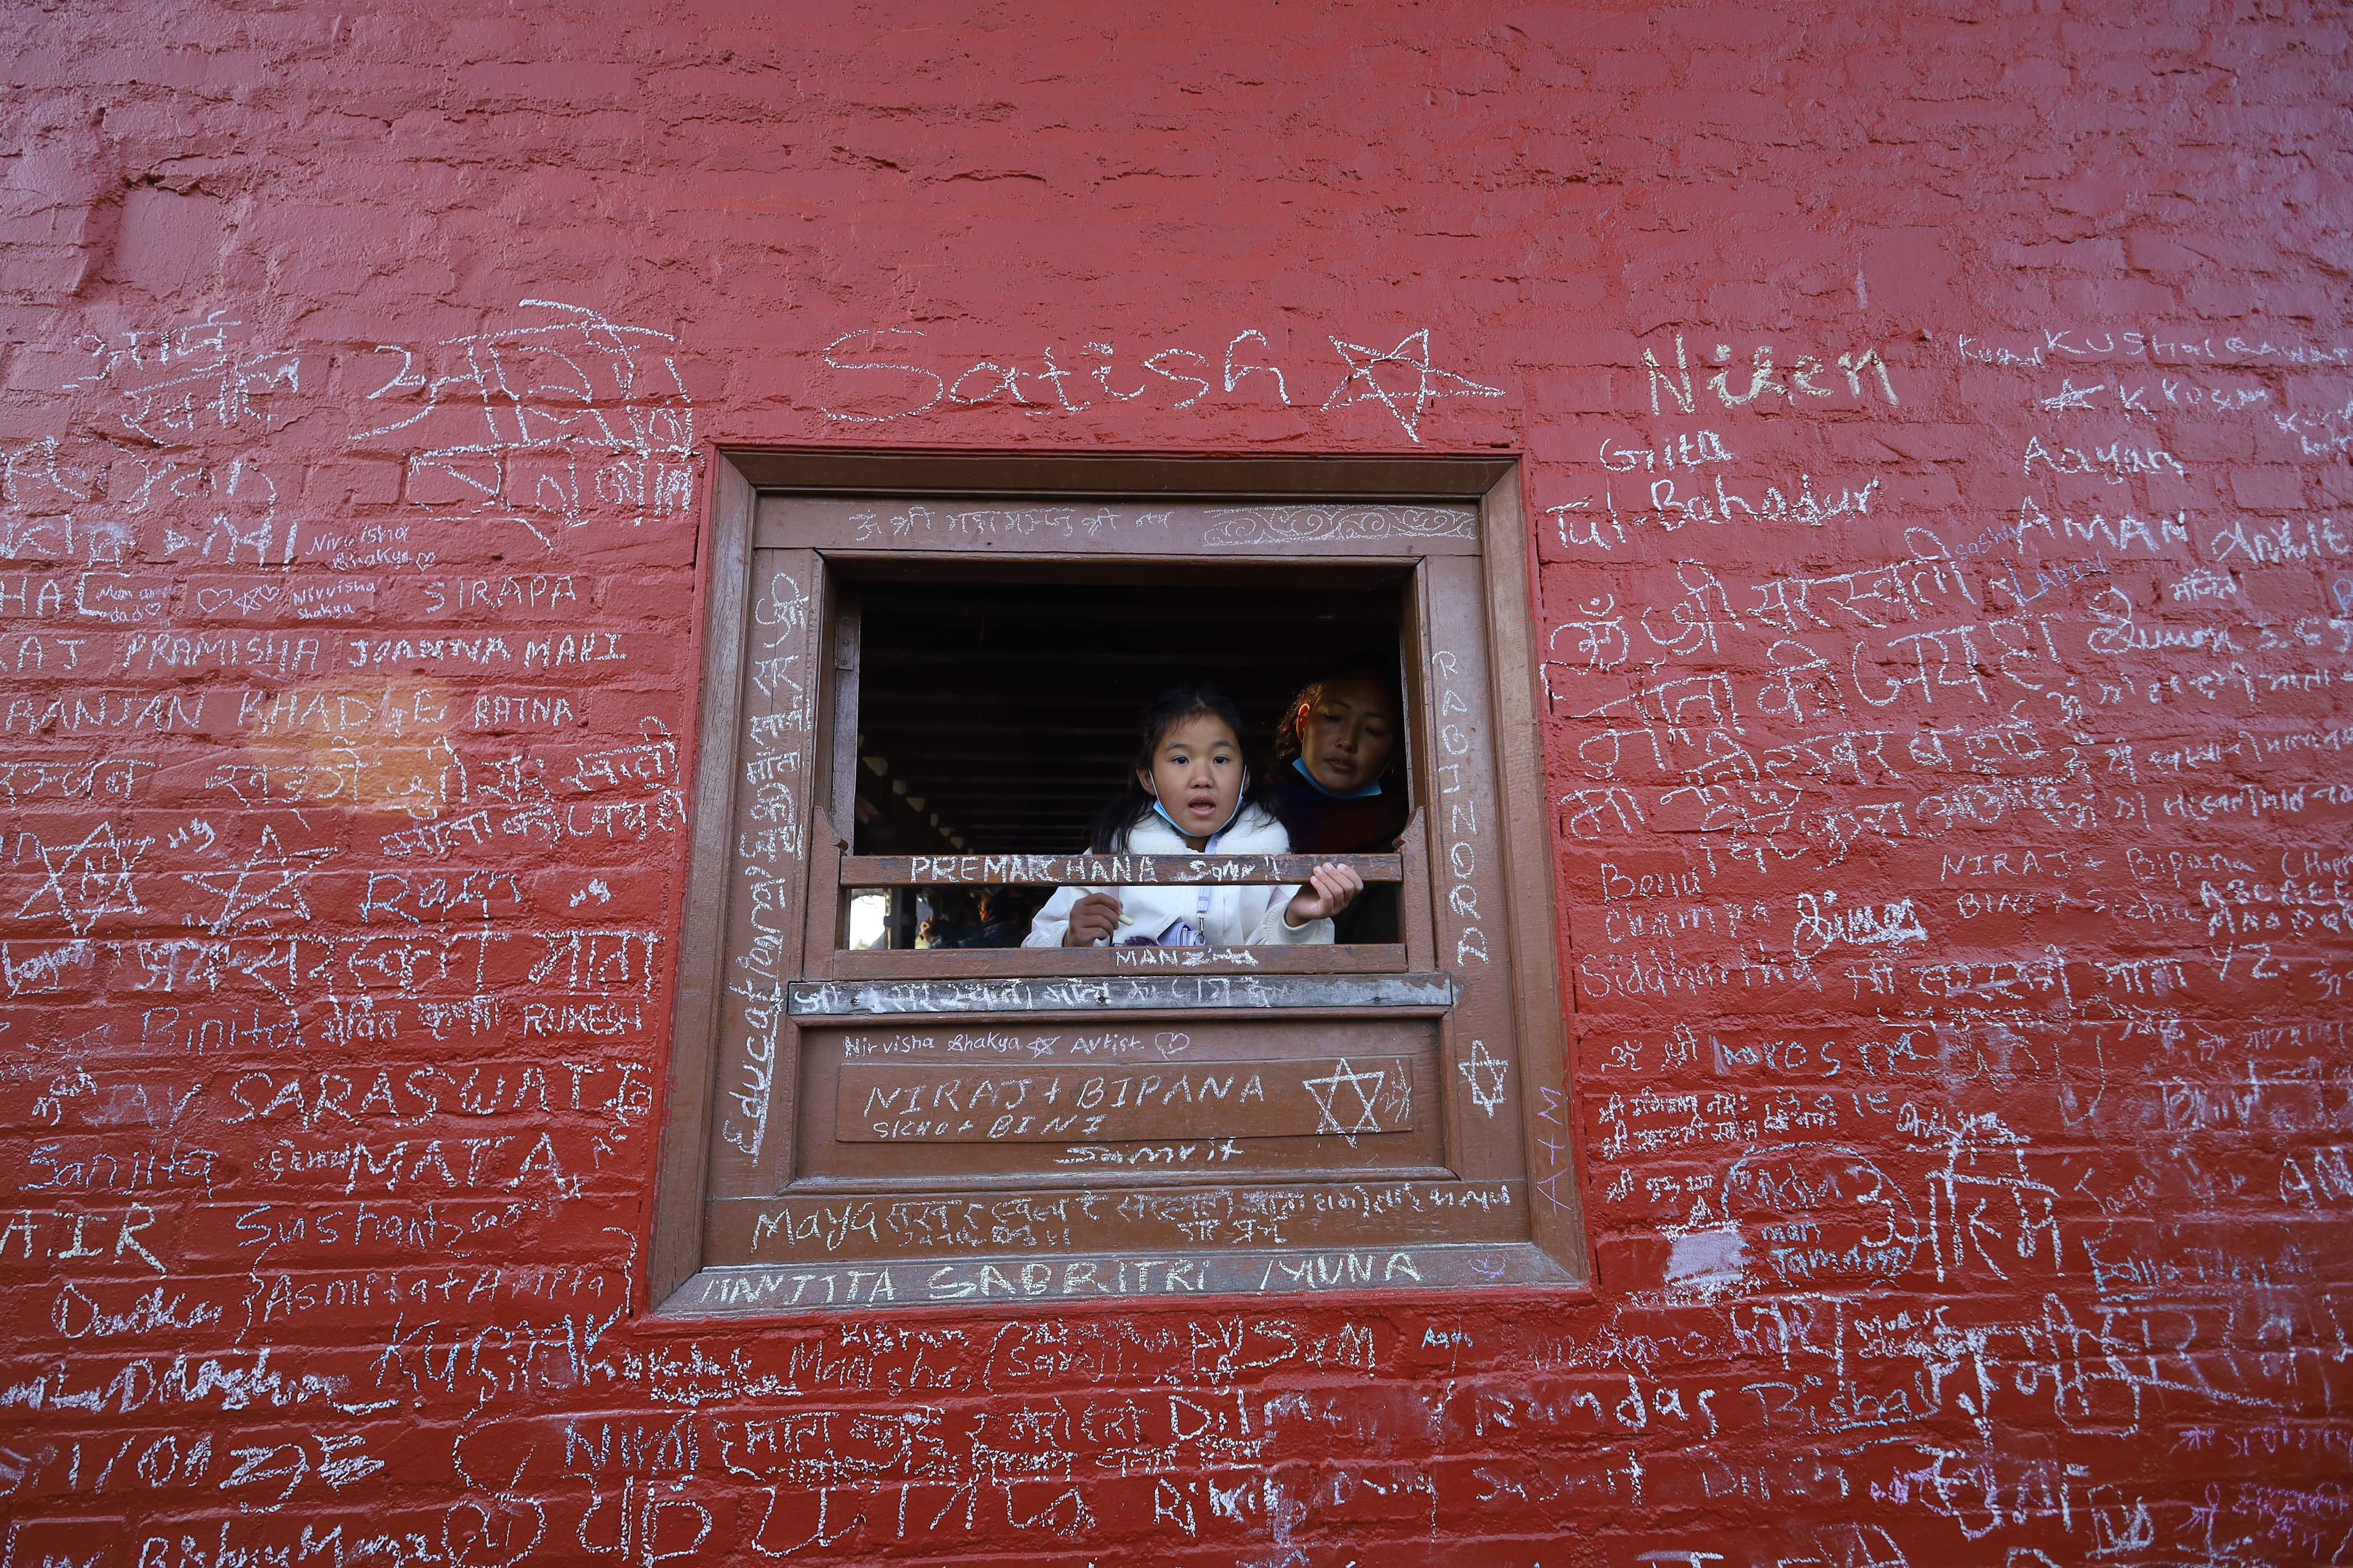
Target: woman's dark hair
x=1166, y=711
x=1286, y=733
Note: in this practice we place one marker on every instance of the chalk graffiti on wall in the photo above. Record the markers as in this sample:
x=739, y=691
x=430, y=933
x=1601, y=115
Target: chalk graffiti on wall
x=878, y=376
x=1951, y=788
x=1956, y=912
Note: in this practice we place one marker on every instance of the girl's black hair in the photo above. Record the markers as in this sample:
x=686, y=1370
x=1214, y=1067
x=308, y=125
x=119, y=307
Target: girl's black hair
x=1163, y=713
x=1286, y=733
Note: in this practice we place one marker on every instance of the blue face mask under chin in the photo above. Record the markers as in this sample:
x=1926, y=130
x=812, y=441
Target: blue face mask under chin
x=1371, y=789
x=1172, y=822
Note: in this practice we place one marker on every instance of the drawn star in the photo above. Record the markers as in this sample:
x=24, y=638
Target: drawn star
x=267, y=888
x=90, y=878
x=1485, y=1075
x=1407, y=405
x=1342, y=1093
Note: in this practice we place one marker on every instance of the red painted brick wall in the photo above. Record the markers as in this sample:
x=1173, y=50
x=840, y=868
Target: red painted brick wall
x=1936, y=432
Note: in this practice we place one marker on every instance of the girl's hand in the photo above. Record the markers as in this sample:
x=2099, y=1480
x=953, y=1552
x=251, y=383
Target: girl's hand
x=1096, y=915
x=1329, y=889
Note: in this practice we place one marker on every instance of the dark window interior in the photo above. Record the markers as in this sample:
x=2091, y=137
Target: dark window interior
x=999, y=709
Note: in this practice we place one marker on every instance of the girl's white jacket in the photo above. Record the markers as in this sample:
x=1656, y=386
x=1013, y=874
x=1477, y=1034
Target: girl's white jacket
x=1226, y=916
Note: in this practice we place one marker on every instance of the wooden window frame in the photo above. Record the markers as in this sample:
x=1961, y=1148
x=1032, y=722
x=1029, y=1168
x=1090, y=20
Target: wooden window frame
x=1496, y=613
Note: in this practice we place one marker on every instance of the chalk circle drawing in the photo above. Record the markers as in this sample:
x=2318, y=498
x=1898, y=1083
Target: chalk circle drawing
x=1821, y=1214
x=498, y=1521
x=1334, y=524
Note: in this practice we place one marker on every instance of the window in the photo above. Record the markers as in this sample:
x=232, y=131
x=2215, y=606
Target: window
x=994, y=714
x=996, y=704
x=920, y=676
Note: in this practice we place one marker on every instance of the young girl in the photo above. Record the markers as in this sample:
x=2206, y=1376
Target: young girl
x=1189, y=793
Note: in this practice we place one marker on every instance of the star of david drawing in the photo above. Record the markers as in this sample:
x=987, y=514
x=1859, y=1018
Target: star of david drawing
x=267, y=888
x=1407, y=404
x=90, y=878
x=1485, y=1075
x=1343, y=1094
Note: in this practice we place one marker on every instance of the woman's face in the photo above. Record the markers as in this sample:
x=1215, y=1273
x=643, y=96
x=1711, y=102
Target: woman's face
x=1345, y=738
x=1197, y=774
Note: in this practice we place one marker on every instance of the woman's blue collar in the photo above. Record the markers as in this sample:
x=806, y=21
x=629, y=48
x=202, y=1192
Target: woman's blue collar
x=1299, y=765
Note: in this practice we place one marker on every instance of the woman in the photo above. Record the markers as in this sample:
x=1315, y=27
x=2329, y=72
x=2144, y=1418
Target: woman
x=1333, y=788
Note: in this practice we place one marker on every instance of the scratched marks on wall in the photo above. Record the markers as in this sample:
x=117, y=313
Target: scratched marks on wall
x=341, y=783
x=1944, y=737
x=546, y=424
x=1956, y=852
x=878, y=376
x=778, y=736
x=1956, y=931
x=1955, y=934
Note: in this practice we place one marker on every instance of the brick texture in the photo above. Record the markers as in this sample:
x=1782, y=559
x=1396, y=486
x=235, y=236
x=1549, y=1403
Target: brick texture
x=1934, y=419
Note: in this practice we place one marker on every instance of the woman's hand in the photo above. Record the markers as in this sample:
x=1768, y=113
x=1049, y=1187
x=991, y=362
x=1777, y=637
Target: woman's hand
x=1094, y=916
x=1330, y=889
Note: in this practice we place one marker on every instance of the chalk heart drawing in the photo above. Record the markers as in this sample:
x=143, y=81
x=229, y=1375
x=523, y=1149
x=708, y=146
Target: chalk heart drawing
x=208, y=600
x=1819, y=1215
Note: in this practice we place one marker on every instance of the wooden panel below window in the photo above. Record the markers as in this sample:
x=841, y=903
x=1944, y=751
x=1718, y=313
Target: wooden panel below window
x=1112, y=1105
x=831, y=1283
x=943, y=1223
x=1344, y=1095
